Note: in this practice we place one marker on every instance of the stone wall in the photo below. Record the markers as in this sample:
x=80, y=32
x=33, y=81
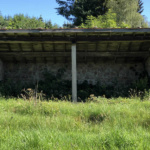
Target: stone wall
x=106, y=73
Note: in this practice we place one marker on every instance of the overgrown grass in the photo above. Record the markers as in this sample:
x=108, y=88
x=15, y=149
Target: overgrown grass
x=109, y=124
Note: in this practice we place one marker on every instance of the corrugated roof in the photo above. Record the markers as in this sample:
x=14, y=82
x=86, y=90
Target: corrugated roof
x=76, y=30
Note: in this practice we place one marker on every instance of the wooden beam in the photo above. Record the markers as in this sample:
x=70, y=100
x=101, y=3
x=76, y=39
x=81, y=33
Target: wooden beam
x=32, y=47
x=96, y=50
x=79, y=54
x=41, y=35
x=43, y=49
x=141, y=45
x=146, y=57
x=118, y=49
x=62, y=39
x=129, y=46
x=119, y=45
x=65, y=52
x=20, y=47
x=107, y=46
x=110, y=34
x=86, y=50
x=133, y=34
x=74, y=73
x=54, y=52
x=29, y=34
x=9, y=47
x=69, y=42
x=15, y=35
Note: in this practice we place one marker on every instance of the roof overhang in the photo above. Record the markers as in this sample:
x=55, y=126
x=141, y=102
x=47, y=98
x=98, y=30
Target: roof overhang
x=91, y=43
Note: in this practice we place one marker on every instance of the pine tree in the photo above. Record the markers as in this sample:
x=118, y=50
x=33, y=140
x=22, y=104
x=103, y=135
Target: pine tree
x=48, y=24
x=140, y=8
x=78, y=10
x=40, y=18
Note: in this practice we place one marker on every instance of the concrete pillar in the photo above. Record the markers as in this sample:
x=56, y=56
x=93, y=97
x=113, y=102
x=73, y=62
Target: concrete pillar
x=74, y=73
x=1, y=70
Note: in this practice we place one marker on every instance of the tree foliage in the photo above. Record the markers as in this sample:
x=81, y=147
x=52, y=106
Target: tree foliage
x=109, y=20
x=78, y=10
x=127, y=11
x=21, y=21
x=140, y=8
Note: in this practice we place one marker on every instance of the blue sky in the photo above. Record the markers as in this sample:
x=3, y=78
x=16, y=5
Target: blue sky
x=46, y=8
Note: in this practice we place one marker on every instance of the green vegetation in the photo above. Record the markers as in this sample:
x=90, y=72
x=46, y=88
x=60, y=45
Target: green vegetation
x=126, y=12
x=82, y=13
x=109, y=20
x=21, y=21
x=120, y=15
x=53, y=86
x=106, y=13
x=78, y=10
x=107, y=124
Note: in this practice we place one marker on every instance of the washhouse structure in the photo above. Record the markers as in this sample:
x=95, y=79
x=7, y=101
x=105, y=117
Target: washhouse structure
x=104, y=55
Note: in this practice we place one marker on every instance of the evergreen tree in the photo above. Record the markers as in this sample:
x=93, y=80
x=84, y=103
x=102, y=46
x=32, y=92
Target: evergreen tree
x=78, y=10
x=48, y=24
x=40, y=18
x=140, y=8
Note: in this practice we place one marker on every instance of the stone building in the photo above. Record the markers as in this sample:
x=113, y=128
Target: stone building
x=104, y=55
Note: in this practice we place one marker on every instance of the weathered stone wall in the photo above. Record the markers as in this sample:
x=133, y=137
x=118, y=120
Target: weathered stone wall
x=106, y=73
x=109, y=73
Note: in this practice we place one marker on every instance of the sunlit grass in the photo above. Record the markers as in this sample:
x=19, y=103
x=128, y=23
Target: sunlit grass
x=107, y=124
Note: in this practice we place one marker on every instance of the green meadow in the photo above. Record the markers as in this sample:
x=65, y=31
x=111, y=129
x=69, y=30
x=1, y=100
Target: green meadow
x=115, y=124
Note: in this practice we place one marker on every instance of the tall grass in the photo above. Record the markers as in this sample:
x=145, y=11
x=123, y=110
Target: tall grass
x=109, y=124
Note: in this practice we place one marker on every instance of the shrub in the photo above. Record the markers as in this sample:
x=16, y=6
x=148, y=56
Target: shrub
x=56, y=88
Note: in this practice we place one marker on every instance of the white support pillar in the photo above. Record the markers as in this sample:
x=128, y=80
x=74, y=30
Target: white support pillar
x=74, y=73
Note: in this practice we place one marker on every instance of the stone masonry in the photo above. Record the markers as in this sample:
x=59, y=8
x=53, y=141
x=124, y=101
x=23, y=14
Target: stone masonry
x=105, y=73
